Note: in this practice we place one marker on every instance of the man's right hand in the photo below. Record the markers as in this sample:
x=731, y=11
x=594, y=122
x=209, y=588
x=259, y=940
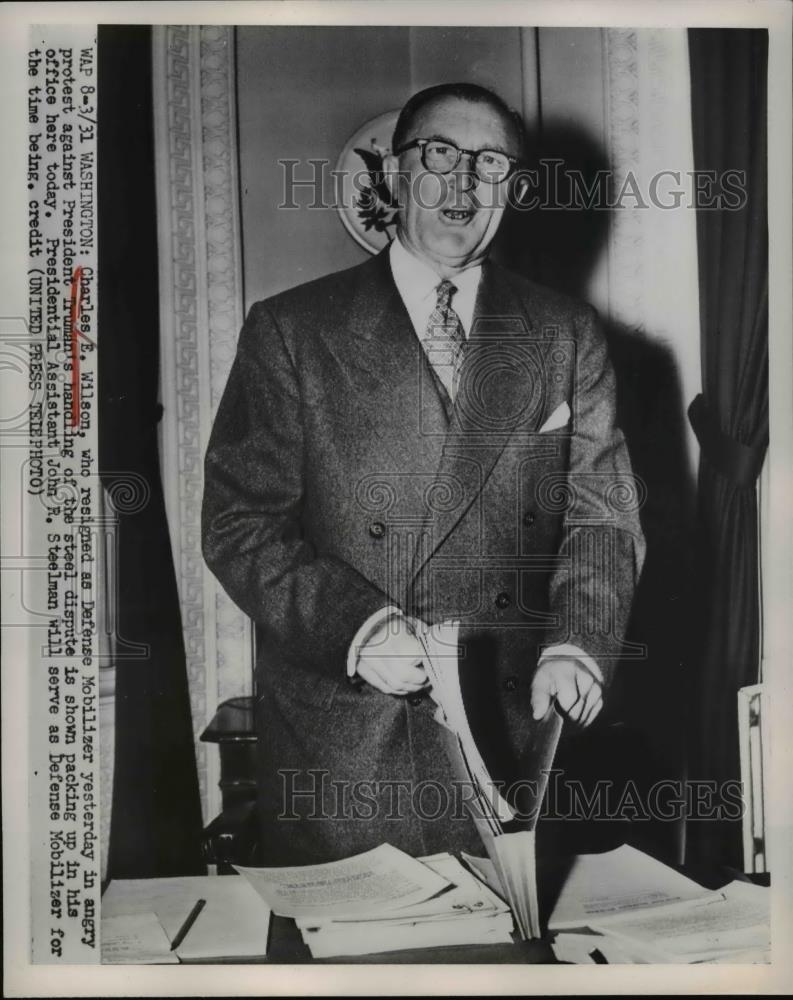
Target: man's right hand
x=391, y=659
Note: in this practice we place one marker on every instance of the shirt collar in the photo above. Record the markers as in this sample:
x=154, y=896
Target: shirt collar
x=416, y=283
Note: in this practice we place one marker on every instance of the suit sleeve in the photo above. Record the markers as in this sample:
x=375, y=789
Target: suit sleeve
x=308, y=604
x=602, y=545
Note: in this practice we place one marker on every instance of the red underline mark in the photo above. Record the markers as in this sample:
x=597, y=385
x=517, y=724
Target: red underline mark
x=74, y=317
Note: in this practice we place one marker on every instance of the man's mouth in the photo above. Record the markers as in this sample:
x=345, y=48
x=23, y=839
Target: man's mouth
x=457, y=215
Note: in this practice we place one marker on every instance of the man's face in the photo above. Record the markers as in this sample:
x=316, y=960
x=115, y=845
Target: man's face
x=451, y=219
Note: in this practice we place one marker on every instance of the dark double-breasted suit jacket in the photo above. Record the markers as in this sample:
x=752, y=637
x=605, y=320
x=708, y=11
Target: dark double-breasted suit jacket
x=340, y=478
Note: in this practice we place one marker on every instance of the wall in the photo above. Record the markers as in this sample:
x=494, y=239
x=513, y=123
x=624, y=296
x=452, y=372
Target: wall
x=303, y=92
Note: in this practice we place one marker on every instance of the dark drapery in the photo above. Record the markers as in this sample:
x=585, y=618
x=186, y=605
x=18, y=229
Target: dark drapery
x=156, y=817
x=730, y=418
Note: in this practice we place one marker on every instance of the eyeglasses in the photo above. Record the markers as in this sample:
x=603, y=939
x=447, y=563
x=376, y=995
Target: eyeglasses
x=439, y=157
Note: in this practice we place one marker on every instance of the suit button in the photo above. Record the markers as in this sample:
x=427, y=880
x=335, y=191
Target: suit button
x=503, y=600
x=529, y=518
x=416, y=699
x=510, y=683
x=377, y=529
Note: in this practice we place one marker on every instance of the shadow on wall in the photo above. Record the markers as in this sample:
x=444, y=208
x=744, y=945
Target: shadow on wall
x=646, y=711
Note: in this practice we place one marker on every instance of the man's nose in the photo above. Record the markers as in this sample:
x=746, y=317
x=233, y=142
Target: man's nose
x=464, y=175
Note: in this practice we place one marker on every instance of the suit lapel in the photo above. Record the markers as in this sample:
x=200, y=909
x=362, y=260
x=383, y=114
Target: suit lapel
x=397, y=395
x=502, y=389
x=389, y=375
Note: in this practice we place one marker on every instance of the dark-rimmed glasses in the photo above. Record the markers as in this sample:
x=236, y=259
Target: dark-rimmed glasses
x=441, y=157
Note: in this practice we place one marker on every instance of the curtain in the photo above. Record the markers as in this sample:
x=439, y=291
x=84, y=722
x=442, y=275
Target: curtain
x=156, y=817
x=730, y=417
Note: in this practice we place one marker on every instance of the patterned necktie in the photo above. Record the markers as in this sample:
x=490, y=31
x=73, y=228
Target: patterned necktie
x=444, y=341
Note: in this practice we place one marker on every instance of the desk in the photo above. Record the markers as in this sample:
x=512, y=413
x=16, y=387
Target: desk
x=286, y=947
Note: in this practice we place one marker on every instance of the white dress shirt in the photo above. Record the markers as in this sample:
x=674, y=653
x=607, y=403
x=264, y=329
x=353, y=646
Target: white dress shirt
x=417, y=285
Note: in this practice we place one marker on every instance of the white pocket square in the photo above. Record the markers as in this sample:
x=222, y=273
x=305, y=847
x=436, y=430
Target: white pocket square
x=559, y=418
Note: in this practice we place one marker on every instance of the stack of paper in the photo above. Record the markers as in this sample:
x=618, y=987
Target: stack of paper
x=383, y=900
x=627, y=907
x=733, y=926
x=512, y=853
x=440, y=644
x=374, y=882
x=141, y=917
x=467, y=913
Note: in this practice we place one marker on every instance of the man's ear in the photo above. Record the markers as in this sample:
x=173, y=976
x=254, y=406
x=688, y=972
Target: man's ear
x=522, y=185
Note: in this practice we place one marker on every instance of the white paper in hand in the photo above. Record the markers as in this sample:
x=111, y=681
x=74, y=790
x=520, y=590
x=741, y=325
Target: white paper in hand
x=440, y=644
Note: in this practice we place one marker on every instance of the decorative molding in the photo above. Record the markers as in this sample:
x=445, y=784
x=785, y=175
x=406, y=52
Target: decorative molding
x=221, y=201
x=233, y=641
x=200, y=316
x=624, y=139
x=652, y=251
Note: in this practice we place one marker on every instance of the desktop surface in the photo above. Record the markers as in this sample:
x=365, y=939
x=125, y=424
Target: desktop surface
x=286, y=947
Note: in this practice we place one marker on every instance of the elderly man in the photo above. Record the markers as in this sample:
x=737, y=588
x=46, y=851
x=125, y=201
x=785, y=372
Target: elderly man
x=425, y=436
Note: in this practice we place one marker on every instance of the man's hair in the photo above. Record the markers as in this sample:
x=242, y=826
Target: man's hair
x=464, y=92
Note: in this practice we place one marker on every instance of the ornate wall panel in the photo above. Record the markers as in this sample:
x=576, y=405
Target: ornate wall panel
x=200, y=318
x=652, y=259
x=623, y=138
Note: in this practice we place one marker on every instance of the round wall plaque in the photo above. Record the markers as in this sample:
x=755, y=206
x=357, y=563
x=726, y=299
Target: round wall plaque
x=365, y=204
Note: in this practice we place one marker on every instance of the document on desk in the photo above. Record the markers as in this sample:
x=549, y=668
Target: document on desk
x=735, y=921
x=468, y=913
x=595, y=948
x=234, y=923
x=363, y=885
x=467, y=895
x=136, y=939
x=604, y=886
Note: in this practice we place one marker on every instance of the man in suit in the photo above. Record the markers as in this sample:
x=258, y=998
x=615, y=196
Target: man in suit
x=422, y=437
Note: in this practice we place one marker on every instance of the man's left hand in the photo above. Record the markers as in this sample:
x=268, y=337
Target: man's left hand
x=575, y=689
